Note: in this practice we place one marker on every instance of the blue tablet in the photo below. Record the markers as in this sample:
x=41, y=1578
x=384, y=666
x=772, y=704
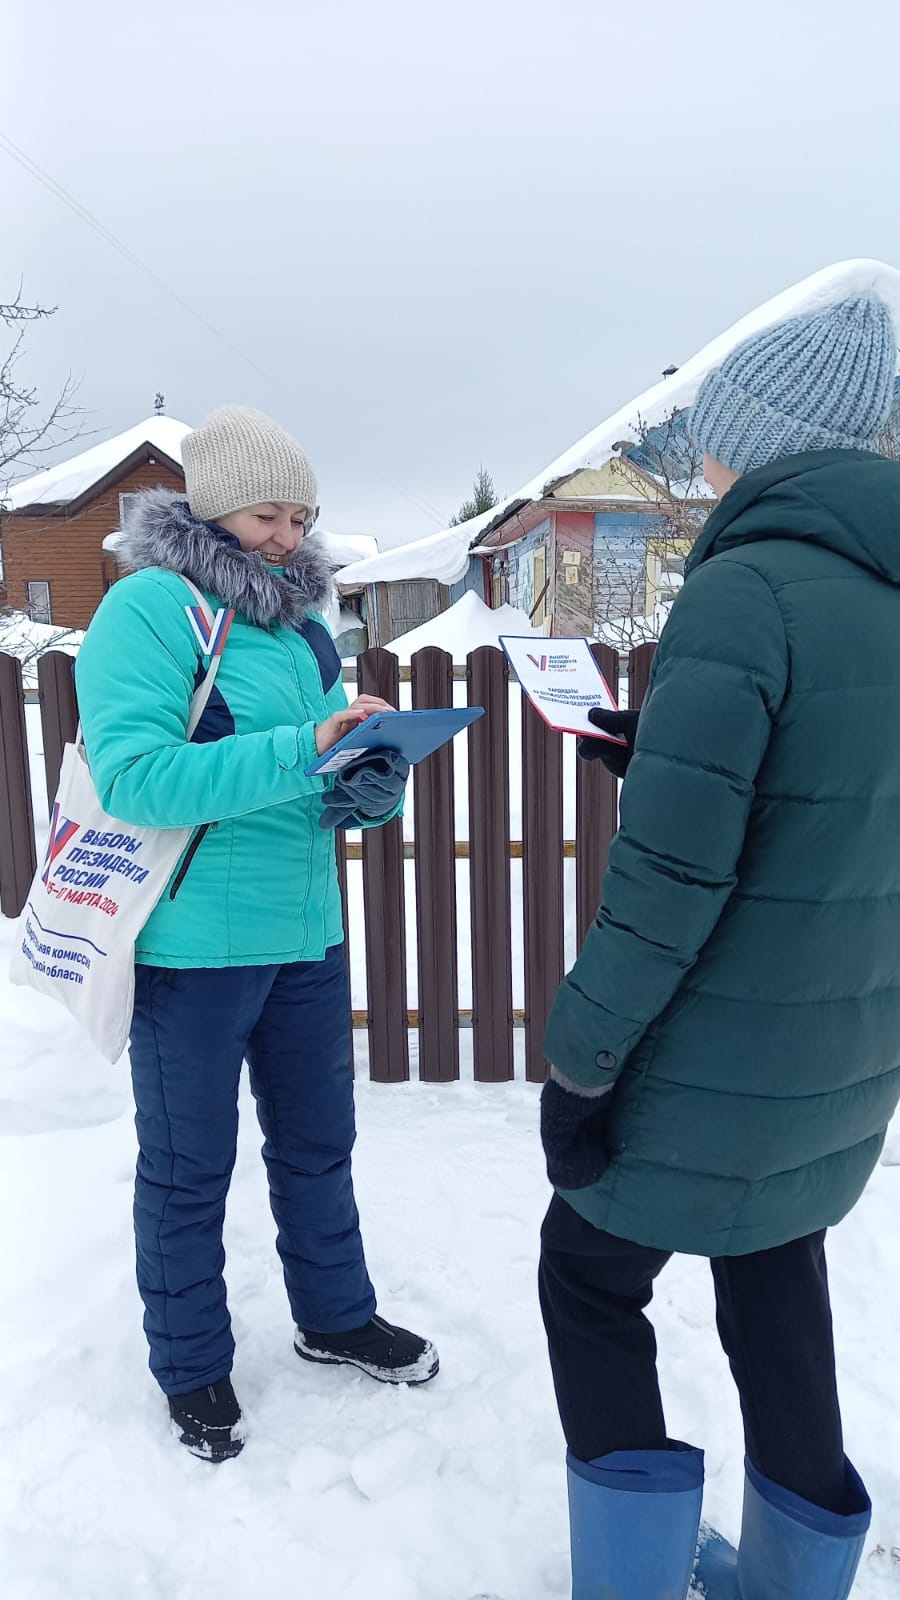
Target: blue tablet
x=416, y=734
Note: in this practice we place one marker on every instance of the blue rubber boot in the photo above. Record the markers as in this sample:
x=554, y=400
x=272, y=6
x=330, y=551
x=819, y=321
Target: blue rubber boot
x=633, y=1519
x=789, y=1550
x=792, y=1550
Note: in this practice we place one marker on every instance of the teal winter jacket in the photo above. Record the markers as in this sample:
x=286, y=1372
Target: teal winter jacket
x=261, y=885
x=740, y=987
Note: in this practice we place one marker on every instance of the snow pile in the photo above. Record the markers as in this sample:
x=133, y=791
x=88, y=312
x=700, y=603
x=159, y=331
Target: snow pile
x=69, y=480
x=28, y=640
x=444, y=556
x=464, y=627
x=340, y=619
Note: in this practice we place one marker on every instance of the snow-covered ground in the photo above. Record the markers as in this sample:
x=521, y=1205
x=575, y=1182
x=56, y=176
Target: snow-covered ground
x=346, y=1490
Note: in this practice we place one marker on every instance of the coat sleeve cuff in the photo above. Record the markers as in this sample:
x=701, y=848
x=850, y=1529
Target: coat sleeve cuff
x=296, y=747
x=586, y=1043
x=584, y=1091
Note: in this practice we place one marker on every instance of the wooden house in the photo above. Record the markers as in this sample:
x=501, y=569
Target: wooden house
x=53, y=525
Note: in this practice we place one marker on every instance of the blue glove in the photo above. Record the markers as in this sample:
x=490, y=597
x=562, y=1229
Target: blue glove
x=572, y=1126
x=367, y=788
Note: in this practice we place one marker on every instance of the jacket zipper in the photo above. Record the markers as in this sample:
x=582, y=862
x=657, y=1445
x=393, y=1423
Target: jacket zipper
x=190, y=853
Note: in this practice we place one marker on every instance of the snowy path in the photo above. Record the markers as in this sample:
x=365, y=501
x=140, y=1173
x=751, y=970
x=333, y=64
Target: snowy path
x=345, y=1491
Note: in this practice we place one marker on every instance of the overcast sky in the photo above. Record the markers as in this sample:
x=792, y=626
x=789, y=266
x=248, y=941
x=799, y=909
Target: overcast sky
x=441, y=234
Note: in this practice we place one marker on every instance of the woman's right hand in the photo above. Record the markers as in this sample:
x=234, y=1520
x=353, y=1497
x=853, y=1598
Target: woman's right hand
x=343, y=722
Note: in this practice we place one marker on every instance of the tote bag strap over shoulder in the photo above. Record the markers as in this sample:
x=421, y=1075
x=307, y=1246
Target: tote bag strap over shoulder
x=210, y=630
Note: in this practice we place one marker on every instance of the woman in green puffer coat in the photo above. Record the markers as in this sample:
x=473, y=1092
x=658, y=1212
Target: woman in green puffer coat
x=726, y=1050
x=243, y=956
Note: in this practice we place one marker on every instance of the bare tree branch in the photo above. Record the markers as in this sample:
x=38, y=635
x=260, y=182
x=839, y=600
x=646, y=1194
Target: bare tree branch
x=662, y=467
x=14, y=311
x=15, y=640
x=27, y=433
x=889, y=441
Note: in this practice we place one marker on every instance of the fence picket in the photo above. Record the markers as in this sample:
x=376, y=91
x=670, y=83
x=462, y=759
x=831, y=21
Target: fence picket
x=435, y=873
x=59, y=712
x=542, y=879
x=489, y=867
x=639, y=663
x=385, y=909
x=18, y=860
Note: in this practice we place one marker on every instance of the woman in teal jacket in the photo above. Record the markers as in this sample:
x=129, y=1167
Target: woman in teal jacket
x=726, y=1049
x=242, y=957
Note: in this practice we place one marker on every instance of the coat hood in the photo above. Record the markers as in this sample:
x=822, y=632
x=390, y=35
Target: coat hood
x=847, y=501
x=159, y=531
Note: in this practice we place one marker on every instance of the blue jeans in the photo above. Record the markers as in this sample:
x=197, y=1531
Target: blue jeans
x=191, y=1032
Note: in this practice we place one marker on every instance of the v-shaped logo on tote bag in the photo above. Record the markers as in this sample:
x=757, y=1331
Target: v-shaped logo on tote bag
x=62, y=831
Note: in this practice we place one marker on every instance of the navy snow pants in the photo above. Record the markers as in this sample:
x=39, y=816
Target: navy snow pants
x=192, y=1030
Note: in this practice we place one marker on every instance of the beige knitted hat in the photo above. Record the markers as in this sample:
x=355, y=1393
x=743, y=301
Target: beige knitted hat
x=239, y=457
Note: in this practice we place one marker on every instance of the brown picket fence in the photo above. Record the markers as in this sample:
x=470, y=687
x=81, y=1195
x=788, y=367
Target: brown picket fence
x=435, y=851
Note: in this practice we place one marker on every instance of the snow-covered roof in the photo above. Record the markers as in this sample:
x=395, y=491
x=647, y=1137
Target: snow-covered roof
x=465, y=626
x=442, y=556
x=343, y=548
x=445, y=556
x=69, y=480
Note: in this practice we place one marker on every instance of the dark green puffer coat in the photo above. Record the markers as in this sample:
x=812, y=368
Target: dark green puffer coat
x=741, y=983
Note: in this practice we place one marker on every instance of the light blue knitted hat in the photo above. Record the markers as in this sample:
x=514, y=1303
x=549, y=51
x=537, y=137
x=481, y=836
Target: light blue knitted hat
x=823, y=380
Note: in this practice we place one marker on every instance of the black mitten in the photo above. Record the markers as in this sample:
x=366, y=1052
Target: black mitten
x=572, y=1126
x=621, y=725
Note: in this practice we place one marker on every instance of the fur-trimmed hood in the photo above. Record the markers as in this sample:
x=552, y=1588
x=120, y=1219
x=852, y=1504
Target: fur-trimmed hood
x=159, y=531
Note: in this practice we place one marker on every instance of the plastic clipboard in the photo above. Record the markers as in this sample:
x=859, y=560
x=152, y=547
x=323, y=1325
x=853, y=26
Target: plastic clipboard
x=416, y=734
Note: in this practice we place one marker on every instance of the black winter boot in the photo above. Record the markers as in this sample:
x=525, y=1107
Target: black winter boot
x=207, y=1421
x=386, y=1353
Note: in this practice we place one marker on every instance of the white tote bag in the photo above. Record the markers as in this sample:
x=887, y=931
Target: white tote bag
x=100, y=880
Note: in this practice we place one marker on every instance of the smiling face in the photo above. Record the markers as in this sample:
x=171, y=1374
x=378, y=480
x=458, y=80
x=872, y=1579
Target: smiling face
x=272, y=529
